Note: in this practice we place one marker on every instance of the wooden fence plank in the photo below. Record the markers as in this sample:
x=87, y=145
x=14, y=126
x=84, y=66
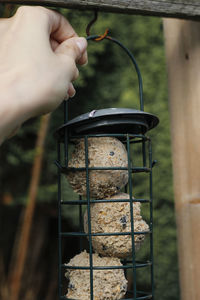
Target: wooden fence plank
x=188, y=9
x=183, y=60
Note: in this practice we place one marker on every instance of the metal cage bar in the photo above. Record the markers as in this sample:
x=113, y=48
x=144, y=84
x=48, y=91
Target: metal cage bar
x=130, y=183
x=151, y=216
x=129, y=264
x=59, y=227
x=89, y=217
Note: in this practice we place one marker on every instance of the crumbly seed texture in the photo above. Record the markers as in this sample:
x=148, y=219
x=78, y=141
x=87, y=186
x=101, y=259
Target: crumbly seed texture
x=107, y=284
x=115, y=217
x=102, y=152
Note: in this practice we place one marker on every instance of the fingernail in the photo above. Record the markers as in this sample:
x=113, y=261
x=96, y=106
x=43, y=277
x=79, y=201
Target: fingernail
x=82, y=44
x=85, y=64
x=71, y=96
x=85, y=57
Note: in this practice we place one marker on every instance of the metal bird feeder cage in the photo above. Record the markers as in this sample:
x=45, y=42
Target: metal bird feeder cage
x=111, y=224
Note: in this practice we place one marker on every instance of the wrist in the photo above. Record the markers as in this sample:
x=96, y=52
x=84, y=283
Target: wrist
x=12, y=113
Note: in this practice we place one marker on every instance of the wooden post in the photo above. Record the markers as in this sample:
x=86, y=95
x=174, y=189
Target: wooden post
x=183, y=60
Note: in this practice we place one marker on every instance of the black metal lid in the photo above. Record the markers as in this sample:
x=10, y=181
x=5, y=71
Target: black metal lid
x=110, y=120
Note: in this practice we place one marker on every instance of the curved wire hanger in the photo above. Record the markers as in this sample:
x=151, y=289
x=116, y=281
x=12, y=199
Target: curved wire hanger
x=98, y=38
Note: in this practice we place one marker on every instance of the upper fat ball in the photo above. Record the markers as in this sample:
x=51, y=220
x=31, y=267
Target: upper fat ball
x=102, y=152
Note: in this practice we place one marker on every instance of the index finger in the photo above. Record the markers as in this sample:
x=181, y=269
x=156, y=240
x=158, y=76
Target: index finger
x=57, y=27
x=53, y=22
x=60, y=28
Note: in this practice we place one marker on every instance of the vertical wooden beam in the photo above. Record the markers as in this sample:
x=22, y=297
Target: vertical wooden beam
x=183, y=61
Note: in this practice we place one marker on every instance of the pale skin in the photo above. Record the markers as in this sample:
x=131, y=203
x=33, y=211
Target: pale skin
x=39, y=53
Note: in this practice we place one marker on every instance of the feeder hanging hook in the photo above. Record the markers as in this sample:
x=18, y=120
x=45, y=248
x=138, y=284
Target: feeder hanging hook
x=100, y=37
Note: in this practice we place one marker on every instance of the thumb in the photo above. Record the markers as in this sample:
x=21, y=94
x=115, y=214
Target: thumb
x=74, y=47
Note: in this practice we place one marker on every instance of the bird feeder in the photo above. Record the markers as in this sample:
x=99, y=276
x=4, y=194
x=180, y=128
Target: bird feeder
x=103, y=171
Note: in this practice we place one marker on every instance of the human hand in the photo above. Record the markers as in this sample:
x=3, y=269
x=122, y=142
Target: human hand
x=39, y=51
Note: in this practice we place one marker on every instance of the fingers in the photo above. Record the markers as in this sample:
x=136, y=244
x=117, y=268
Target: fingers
x=57, y=30
x=60, y=28
x=54, y=44
x=71, y=91
x=84, y=59
x=74, y=48
x=50, y=38
x=57, y=25
x=72, y=51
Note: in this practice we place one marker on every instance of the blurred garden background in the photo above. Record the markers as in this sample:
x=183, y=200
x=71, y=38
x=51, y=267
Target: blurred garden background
x=107, y=81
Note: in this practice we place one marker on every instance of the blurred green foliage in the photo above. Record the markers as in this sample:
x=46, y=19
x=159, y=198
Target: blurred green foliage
x=109, y=80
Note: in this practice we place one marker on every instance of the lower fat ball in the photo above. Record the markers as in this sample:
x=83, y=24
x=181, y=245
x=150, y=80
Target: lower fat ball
x=113, y=217
x=102, y=152
x=109, y=284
